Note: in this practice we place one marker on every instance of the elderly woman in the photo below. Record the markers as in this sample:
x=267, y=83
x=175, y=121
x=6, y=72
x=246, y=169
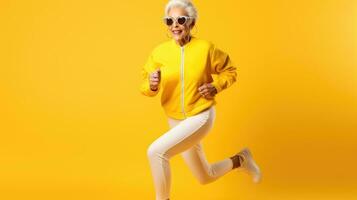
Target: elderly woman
x=182, y=69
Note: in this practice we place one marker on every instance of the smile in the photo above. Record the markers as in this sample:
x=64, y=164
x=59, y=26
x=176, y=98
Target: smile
x=177, y=31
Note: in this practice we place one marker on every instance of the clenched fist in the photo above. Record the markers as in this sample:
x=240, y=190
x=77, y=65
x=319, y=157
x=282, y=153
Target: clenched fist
x=207, y=90
x=154, y=81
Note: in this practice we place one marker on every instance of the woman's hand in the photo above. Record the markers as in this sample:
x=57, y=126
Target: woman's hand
x=207, y=90
x=154, y=81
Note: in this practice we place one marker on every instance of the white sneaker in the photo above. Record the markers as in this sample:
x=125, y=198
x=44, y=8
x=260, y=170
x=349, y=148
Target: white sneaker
x=249, y=166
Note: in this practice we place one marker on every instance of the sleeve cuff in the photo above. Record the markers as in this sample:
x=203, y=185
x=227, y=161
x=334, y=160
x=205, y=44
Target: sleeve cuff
x=216, y=85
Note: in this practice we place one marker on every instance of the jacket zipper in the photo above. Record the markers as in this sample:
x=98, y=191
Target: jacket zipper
x=182, y=82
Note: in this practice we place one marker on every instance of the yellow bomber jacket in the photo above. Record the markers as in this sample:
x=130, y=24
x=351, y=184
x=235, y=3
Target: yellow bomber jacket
x=183, y=70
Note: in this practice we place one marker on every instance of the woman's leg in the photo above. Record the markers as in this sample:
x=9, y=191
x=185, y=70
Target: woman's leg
x=196, y=160
x=203, y=171
x=176, y=140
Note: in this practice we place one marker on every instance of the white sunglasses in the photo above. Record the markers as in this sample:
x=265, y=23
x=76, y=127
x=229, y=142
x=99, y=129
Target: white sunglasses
x=168, y=20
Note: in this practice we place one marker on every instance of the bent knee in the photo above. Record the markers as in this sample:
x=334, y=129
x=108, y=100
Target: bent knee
x=151, y=151
x=155, y=151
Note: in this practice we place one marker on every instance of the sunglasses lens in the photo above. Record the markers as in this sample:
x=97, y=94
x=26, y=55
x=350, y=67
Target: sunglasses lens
x=181, y=20
x=169, y=21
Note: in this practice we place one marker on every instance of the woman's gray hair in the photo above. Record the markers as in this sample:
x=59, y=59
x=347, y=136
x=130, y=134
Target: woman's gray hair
x=186, y=4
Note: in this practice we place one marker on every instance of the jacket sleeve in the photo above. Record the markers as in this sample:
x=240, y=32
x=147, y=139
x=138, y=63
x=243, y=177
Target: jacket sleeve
x=148, y=68
x=222, y=65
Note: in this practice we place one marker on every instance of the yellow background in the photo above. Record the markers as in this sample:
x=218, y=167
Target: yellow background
x=73, y=124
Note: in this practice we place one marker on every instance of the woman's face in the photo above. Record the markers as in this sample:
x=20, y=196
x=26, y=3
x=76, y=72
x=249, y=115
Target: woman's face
x=179, y=32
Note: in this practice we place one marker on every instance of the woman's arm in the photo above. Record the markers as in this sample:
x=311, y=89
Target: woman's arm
x=149, y=67
x=222, y=65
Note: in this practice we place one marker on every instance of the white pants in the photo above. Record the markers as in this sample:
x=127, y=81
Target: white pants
x=185, y=137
